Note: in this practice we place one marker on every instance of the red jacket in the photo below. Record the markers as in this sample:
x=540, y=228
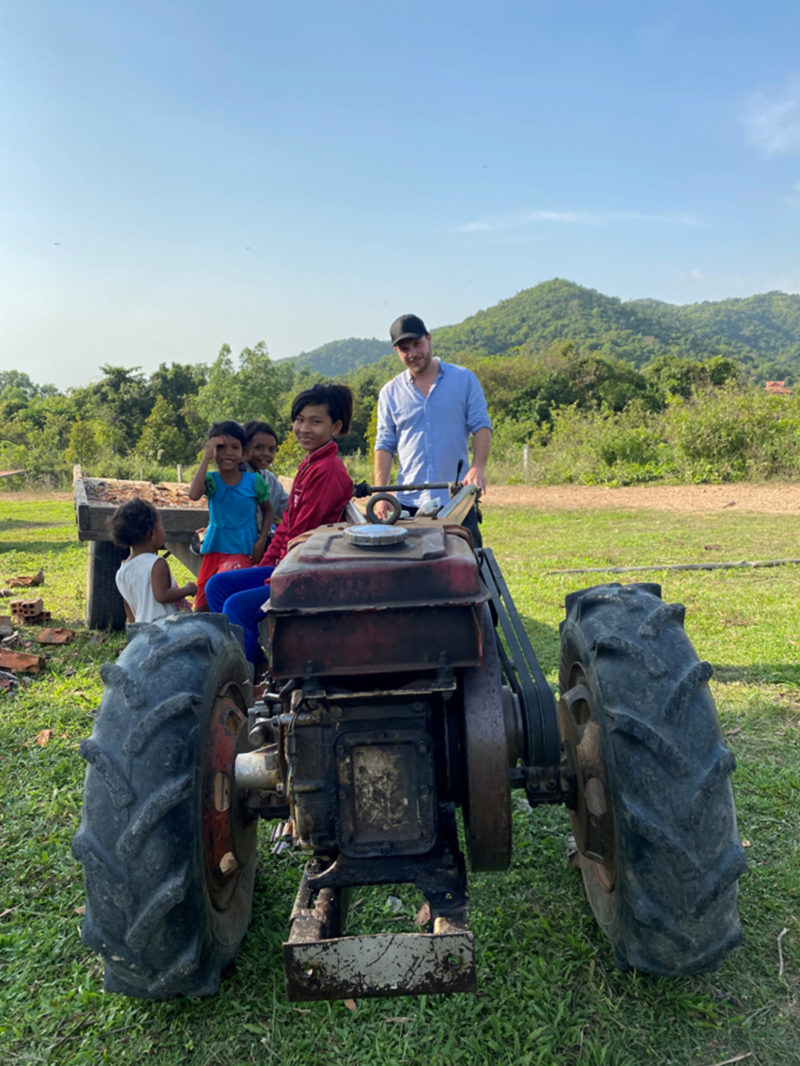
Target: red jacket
x=320, y=490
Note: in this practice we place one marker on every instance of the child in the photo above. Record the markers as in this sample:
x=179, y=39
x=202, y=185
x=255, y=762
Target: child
x=145, y=583
x=320, y=491
x=261, y=443
x=232, y=539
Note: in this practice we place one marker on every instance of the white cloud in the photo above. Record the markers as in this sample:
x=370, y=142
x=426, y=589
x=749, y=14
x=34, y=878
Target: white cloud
x=518, y=219
x=773, y=122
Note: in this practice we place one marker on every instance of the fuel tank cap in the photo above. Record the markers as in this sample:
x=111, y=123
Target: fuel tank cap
x=375, y=536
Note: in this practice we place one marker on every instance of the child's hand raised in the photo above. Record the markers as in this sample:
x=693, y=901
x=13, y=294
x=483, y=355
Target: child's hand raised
x=210, y=450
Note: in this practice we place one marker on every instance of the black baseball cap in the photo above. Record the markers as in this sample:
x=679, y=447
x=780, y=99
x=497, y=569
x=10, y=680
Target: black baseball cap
x=407, y=327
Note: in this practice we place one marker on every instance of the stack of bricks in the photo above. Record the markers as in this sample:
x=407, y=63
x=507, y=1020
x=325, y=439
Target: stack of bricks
x=28, y=612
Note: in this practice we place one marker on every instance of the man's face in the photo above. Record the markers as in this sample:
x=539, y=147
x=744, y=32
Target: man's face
x=416, y=354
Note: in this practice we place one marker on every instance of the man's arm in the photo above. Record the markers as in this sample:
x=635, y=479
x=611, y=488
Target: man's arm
x=481, y=446
x=383, y=466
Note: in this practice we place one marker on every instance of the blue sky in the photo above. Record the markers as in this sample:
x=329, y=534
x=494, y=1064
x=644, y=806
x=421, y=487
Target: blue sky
x=175, y=176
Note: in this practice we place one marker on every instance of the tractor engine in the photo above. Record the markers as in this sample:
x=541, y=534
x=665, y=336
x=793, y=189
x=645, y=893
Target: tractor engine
x=387, y=717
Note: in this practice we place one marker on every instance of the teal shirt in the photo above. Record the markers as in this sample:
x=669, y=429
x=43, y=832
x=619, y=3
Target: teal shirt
x=232, y=526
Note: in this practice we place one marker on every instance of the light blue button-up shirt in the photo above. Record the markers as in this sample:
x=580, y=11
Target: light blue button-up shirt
x=430, y=434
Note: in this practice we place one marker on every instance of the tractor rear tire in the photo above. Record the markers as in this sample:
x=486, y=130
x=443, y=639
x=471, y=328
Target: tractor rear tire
x=168, y=854
x=654, y=815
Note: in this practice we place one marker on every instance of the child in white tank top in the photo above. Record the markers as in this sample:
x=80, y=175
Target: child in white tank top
x=144, y=580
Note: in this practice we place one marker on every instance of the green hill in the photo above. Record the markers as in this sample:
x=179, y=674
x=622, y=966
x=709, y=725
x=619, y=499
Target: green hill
x=761, y=332
x=340, y=357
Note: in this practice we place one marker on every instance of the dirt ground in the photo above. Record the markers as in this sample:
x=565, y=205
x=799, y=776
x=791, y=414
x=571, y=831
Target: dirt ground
x=764, y=498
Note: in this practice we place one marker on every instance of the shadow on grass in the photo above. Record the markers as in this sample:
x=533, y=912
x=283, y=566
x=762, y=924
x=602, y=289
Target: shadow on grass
x=758, y=673
x=37, y=545
x=24, y=523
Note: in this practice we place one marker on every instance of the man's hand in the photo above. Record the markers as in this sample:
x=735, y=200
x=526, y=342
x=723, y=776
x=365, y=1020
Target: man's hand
x=383, y=468
x=475, y=476
x=382, y=510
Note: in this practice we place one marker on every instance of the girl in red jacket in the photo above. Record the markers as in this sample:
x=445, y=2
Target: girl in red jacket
x=320, y=491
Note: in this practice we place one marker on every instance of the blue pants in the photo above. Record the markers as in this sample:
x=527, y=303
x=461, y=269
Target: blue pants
x=238, y=594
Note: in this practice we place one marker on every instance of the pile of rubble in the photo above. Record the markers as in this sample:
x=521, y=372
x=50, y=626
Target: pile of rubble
x=25, y=612
x=163, y=495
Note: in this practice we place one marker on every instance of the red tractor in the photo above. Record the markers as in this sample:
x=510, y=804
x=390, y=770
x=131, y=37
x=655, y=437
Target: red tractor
x=403, y=690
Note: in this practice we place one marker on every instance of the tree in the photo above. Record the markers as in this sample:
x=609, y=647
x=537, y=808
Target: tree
x=122, y=400
x=672, y=375
x=251, y=390
x=161, y=440
x=17, y=385
x=83, y=446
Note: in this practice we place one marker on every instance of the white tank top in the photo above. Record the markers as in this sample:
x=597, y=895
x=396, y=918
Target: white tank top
x=136, y=588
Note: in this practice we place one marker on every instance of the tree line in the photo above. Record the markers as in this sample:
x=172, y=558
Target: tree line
x=584, y=415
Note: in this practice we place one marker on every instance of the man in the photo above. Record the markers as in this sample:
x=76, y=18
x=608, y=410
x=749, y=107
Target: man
x=425, y=416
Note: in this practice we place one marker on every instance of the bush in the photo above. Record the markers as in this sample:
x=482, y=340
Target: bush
x=729, y=435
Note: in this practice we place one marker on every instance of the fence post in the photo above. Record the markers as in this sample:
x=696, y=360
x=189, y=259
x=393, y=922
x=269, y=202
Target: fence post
x=180, y=473
x=526, y=458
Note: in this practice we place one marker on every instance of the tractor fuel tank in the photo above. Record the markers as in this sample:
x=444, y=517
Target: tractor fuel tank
x=409, y=600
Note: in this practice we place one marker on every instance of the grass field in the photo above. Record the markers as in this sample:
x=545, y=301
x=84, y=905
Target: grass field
x=548, y=991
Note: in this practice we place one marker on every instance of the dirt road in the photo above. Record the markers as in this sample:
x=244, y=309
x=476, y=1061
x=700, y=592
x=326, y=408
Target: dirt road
x=764, y=498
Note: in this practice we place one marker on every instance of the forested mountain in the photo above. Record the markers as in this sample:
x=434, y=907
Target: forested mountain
x=339, y=357
x=675, y=392
x=760, y=332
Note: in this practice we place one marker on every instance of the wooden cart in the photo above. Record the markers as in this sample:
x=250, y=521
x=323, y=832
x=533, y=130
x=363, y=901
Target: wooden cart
x=95, y=501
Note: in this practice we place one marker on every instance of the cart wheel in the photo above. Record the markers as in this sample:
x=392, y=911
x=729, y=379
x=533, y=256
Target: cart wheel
x=168, y=852
x=653, y=813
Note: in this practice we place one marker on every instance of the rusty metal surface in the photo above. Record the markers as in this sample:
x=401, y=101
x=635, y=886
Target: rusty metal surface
x=325, y=572
x=381, y=964
x=367, y=641
x=591, y=816
x=487, y=804
x=229, y=840
x=386, y=792
x=337, y=608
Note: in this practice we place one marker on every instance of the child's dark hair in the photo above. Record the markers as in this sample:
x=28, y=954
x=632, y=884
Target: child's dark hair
x=228, y=429
x=132, y=523
x=337, y=398
x=252, y=428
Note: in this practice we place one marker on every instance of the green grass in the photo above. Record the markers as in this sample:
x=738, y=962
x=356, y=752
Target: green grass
x=548, y=991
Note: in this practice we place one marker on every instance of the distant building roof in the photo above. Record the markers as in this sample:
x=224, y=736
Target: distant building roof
x=778, y=387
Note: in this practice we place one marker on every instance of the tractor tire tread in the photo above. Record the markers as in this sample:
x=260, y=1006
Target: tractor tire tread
x=148, y=911
x=673, y=908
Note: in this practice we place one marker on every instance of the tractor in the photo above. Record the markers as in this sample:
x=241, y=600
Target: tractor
x=403, y=692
